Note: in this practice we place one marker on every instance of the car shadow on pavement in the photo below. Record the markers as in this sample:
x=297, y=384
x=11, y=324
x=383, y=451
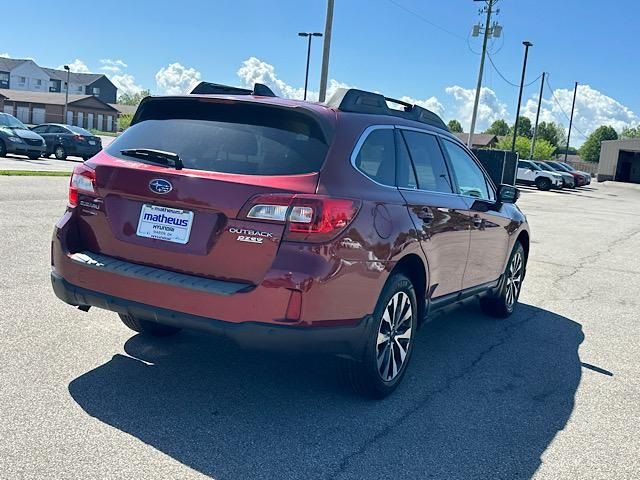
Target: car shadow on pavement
x=481, y=399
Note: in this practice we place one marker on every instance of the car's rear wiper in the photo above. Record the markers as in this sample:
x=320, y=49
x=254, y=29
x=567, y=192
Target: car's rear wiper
x=155, y=156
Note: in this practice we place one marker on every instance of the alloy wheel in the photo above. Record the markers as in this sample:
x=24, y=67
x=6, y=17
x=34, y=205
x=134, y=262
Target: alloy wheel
x=514, y=279
x=394, y=336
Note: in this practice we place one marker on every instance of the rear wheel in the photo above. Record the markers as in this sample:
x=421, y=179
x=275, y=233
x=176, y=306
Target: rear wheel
x=34, y=156
x=60, y=152
x=148, y=327
x=503, y=304
x=543, y=183
x=3, y=149
x=389, y=343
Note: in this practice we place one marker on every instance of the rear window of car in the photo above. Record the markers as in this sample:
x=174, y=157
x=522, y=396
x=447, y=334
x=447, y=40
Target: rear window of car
x=78, y=130
x=229, y=137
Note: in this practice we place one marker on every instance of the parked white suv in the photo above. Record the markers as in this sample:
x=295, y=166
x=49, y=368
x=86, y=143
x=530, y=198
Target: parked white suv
x=531, y=174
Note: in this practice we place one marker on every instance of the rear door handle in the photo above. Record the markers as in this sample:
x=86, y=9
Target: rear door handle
x=426, y=215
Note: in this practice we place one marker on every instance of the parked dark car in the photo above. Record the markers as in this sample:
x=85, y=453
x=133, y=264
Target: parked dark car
x=290, y=225
x=585, y=178
x=68, y=140
x=567, y=179
x=16, y=138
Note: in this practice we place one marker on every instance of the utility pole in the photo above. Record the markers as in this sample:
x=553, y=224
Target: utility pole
x=325, y=51
x=66, y=96
x=524, y=71
x=310, y=35
x=487, y=32
x=535, y=129
x=573, y=106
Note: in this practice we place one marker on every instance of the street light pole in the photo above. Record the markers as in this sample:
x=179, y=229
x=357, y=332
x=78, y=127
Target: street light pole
x=524, y=71
x=535, y=129
x=66, y=96
x=573, y=106
x=309, y=35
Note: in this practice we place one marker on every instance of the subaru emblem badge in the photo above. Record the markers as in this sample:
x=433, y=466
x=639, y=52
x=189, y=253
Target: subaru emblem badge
x=160, y=186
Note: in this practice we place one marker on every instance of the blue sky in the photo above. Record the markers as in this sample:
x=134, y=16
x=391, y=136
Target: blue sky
x=376, y=45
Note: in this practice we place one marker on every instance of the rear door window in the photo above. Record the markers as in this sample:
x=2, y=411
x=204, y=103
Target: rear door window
x=235, y=137
x=429, y=162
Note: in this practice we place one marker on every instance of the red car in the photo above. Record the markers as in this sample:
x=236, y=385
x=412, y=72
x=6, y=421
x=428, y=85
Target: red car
x=289, y=225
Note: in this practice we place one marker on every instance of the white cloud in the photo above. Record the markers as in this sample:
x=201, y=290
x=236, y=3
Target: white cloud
x=431, y=103
x=77, y=66
x=4, y=55
x=593, y=109
x=175, y=79
x=490, y=108
x=126, y=83
x=254, y=70
x=114, y=66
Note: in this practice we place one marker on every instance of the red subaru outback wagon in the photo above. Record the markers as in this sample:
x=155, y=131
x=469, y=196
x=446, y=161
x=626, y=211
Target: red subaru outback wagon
x=289, y=225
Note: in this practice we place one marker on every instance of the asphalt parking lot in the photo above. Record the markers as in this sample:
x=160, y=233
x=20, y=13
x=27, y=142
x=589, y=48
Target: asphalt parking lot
x=551, y=393
x=50, y=164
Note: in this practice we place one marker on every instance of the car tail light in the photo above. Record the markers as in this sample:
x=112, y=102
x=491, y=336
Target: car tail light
x=308, y=218
x=83, y=180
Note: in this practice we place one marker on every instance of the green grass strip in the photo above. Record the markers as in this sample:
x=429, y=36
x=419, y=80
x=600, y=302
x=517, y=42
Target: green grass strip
x=33, y=173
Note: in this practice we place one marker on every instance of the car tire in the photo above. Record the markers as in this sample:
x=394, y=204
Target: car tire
x=148, y=327
x=389, y=341
x=59, y=152
x=504, y=303
x=543, y=184
x=3, y=149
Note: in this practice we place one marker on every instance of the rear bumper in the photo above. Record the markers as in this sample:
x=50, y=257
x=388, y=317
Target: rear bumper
x=346, y=341
x=83, y=150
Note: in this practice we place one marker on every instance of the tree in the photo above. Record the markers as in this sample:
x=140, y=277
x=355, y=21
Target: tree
x=590, y=149
x=630, y=132
x=542, y=151
x=499, y=128
x=124, y=120
x=133, y=98
x=552, y=133
x=454, y=126
x=524, y=128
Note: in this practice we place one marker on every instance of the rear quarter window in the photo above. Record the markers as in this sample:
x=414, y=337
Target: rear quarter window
x=238, y=138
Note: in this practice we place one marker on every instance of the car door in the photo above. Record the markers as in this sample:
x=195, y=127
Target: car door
x=525, y=172
x=489, y=240
x=438, y=213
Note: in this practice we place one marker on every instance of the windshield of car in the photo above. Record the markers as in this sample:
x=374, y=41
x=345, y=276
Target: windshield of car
x=238, y=138
x=78, y=130
x=10, y=121
x=568, y=167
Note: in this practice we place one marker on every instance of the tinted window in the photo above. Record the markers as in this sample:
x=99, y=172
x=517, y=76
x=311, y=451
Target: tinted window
x=233, y=137
x=57, y=129
x=377, y=156
x=40, y=129
x=471, y=180
x=522, y=164
x=406, y=173
x=79, y=131
x=428, y=161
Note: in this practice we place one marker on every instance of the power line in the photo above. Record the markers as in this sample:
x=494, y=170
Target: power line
x=507, y=81
x=562, y=109
x=424, y=19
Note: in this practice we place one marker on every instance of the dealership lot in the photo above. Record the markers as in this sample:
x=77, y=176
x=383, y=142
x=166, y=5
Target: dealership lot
x=553, y=392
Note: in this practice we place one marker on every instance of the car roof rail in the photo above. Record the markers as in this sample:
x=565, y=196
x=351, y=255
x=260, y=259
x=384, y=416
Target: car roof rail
x=361, y=101
x=208, y=88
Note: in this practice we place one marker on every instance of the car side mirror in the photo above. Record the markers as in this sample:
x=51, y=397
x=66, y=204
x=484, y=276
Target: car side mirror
x=508, y=193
